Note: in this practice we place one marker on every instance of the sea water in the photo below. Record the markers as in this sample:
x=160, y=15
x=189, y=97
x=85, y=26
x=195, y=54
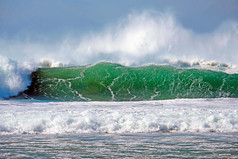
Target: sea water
x=164, y=91
x=188, y=128
x=108, y=110
x=114, y=82
x=142, y=145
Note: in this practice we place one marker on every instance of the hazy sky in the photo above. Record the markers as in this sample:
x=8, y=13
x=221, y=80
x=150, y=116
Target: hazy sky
x=58, y=17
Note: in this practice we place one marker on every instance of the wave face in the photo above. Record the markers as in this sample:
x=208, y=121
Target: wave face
x=114, y=82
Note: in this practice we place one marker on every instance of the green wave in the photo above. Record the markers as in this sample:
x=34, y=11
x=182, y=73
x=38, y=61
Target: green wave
x=114, y=82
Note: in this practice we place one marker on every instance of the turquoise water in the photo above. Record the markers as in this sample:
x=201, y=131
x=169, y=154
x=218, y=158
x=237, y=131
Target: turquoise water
x=114, y=82
x=159, y=145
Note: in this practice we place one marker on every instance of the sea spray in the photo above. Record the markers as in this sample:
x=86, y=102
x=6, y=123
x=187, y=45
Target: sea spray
x=14, y=76
x=144, y=38
x=137, y=39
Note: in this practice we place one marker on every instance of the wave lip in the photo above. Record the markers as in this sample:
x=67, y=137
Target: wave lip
x=114, y=82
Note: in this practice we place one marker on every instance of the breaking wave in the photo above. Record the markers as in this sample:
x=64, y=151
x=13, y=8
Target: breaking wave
x=14, y=76
x=139, y=39
x=114, y=82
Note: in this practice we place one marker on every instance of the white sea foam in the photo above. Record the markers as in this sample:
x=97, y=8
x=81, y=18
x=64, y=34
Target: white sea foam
x=183, y=115
x=14, y=76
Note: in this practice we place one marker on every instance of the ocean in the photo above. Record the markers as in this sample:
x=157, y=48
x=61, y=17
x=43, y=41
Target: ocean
x=175, y=128
x=143, y=145
x=108, y=110
x=149, y=85
x=114, y=82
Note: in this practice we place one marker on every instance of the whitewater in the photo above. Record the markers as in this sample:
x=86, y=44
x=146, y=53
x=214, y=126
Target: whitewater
x=180, y=115
x=181, y=128
x=142, y=87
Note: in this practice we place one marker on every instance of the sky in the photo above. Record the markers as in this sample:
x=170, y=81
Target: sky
x=21, y=18
x=65, y=30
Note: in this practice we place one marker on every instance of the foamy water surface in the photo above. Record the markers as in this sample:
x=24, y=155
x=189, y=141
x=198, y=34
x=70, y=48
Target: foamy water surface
x=181, y=115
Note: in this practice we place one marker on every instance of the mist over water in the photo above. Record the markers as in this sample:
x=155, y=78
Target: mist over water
x=139, y=38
